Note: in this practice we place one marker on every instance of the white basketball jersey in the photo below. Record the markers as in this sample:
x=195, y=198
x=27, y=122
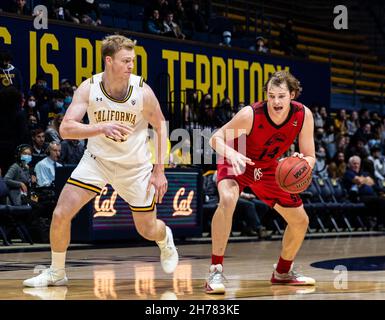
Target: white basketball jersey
x=104, y=108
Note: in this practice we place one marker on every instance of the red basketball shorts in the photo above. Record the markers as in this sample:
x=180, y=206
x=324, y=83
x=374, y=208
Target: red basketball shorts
x=262, y=182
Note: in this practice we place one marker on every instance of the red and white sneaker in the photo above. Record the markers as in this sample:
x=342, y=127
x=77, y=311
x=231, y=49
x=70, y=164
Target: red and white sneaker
x=214, y=283
x=292, y=278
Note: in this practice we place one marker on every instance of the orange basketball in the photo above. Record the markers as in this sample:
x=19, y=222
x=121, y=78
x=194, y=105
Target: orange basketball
x=293, y=174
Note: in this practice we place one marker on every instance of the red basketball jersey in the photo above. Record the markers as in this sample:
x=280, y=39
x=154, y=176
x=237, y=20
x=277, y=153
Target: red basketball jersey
x=267, y=141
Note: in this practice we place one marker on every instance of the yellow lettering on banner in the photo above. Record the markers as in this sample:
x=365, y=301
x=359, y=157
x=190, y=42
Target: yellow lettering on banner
x=268, y=69
x=242, y=66
x=49, y=39
x=86, y=71
x=32, y=58
x=218, y=85
x=171, y=56
x=230, y=80
x=279, y=68
x=142, y=54
x=256, y=87
x=184, y=82
x=202, y=61
x=98, y=56
x=4, y=33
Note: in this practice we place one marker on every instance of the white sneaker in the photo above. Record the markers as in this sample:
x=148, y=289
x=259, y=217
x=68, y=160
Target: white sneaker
x=291, y=278
x=168, y=255
x=214, y=284
x=48, y=277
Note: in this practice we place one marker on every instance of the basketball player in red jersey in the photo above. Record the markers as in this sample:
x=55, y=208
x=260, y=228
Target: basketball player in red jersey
x=269, y=128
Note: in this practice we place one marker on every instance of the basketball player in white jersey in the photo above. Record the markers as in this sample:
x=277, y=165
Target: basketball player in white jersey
x=119, y=106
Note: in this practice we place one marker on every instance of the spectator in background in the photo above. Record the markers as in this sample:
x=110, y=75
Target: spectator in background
x=340, y=122
x=3, y=189
x=288, y=39
x=207, y=112
x=57, y=10
x=18, y=178
x=320, y=167
x=337, y=167
x=226, y=39
x=260, y=45
x=326, y=119
x=71, y=151
x=364, y=117
x=64, y=85
x=52, y=133
x=153, y=24
x=13, y=125
x=378, y=161
x=80, y=11
x=179, y=11
x=162, y=6
x=318, y=121
x=20, y=7
x=56, y=106
x=353, y=123
x=364, y=133
x=33, y=123
x=171, y=29
x=224, y=112
x=30, y=107
x=360, y=184
x=191, y=109
x=42, y=94
x=9, y=74
x=196, y=18
x=45, y=169
x=39, y=146
x=68, y=95
x=329, y=142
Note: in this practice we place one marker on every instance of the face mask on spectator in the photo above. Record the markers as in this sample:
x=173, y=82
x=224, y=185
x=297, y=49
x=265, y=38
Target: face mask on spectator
x=42, y=85
x=32, y=104
x=68, y=100
x=227, y=40
x=27, y=158
x=321, y=155
x=59, y=104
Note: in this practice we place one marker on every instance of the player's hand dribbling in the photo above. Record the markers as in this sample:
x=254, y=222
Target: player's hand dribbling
x=116, y=131
x=238, y=162
x=302, y=156
x=159, y=181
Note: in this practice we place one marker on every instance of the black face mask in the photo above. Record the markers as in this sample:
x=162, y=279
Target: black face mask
x=4, y=65
x=33, y=126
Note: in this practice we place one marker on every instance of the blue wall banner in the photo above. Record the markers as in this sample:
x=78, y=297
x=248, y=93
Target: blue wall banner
x=70, y=51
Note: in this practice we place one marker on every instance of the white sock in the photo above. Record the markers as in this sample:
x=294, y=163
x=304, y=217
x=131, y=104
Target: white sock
x=163, y=242
x=58, y=260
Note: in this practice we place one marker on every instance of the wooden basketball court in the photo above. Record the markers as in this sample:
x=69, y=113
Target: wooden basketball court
x=135, y=272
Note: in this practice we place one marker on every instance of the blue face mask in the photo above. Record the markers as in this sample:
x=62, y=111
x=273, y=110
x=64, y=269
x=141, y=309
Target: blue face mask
x=227, y=40
x=26, y=158
x=68, y=100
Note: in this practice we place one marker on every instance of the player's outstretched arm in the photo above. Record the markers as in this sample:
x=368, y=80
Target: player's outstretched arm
x=240, y=124
x=71, y=126
x=306, y=138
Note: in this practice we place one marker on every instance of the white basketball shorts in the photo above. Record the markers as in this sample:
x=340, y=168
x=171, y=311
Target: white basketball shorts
x=130, y=181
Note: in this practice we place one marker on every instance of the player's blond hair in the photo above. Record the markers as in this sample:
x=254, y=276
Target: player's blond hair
x=283, y=76
x=114, y=43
